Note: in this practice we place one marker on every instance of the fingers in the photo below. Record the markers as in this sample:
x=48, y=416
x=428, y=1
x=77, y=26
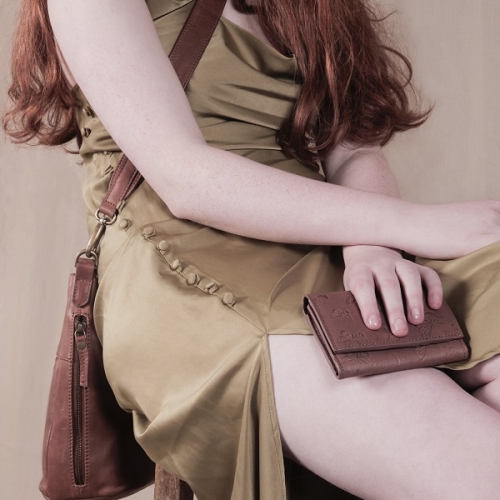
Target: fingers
x=434, y=287
x=411, y=283
x=390, y=290
x=401, y=287
x=361, y=284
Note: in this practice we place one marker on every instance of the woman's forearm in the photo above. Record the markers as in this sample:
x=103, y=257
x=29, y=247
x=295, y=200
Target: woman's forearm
x=125, y=74
x=240, y=196
x=360, y=167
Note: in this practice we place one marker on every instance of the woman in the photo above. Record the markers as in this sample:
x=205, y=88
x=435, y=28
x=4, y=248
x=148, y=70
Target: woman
x=201, y=280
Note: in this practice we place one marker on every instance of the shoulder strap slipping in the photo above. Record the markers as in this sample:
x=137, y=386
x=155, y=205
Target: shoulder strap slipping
x=185, y=56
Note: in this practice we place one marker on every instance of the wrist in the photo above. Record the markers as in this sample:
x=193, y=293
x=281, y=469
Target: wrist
x=356, y=251
x=404, y=227
x=414, y=222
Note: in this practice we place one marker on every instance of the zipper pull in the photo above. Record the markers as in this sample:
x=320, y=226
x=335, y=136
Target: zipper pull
x=82, y=348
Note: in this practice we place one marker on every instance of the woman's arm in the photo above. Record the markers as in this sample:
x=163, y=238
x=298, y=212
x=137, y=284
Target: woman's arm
x=368, y=267
x=114, y=52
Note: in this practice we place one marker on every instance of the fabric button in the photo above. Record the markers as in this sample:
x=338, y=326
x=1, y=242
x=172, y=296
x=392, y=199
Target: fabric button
x=211, y=287
x=175, y=264
x=193, y=279
x=164, y=246
x=125, y=223
x=148, y=231
x=88, y=111
x=228, y=299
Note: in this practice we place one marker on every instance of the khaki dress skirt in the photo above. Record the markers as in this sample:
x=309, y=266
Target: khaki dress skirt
x=183, y=310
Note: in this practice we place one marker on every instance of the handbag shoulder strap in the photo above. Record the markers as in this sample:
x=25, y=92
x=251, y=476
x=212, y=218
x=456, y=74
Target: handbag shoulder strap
x=184, y=56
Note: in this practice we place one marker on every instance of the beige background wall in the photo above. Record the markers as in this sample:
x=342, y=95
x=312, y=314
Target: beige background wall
x=454, y=45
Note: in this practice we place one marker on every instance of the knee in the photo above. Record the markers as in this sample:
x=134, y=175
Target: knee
x=483, y=373
x=489, y=394
x=491, y=369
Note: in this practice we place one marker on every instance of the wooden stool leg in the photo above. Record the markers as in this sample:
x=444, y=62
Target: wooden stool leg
x=168, y=487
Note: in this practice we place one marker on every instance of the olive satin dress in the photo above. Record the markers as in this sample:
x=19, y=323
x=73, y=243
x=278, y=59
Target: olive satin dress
x=183, y=310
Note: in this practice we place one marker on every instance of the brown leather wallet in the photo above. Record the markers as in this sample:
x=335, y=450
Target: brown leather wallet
x=353, y=349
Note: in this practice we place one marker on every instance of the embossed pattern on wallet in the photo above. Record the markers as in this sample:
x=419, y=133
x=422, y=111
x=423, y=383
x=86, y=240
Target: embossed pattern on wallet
x=354, y=350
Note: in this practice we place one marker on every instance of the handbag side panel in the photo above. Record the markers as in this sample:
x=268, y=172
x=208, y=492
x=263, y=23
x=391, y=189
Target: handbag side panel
x=56, y=450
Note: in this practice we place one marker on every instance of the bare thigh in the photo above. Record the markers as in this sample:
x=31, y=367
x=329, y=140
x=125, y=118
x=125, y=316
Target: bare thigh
x=408, y=435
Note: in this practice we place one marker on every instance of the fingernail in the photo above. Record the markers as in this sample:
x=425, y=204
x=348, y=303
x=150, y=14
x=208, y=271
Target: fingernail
x=399, y=325
x=416, y=313
x=373, y=320
x=435, y=300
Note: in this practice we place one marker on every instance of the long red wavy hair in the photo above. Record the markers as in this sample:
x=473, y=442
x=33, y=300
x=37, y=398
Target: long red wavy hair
x=353, y=85
x=43, y=105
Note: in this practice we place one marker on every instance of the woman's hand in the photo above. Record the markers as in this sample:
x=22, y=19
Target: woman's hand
x=373, y=267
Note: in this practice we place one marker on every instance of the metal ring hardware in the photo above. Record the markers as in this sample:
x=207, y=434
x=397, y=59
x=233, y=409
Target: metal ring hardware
x=95, y=239
x=93, y=254
x=104, y=219
x=96, y=236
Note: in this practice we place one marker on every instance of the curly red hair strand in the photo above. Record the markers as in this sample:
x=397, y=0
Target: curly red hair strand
x=43, y=105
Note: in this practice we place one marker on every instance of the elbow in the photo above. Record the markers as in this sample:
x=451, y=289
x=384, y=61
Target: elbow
x=191, y=172
x=178, y=209
x=171, y=195
x=179, y=197
x=182, y=184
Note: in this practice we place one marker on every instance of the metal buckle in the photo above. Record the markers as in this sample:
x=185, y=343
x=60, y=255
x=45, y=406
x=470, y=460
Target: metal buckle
x=104, y=219
x=93, y=255
x=92, y=250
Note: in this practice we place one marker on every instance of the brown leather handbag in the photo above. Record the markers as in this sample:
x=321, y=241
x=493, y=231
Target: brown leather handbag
x=89, y=449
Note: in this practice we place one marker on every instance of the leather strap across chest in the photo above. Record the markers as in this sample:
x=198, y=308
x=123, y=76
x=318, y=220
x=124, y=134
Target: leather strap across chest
x=184, y=56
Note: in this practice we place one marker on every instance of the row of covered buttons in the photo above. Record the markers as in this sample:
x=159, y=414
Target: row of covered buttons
x=192, y=278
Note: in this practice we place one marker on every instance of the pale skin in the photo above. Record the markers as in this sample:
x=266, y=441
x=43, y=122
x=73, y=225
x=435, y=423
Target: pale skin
x=382, y=437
